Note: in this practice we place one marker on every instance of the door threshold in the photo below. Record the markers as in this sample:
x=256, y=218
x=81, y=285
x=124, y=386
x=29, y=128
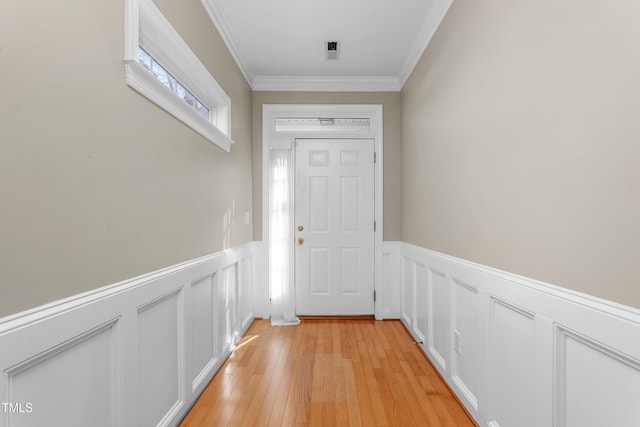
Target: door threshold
x=349, y=317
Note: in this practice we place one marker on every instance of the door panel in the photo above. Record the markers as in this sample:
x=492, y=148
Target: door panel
x=334, y=215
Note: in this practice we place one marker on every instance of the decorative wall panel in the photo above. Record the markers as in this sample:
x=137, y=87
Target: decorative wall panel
x=60, y=383
x=202, y=323
x=466, y=348
x=439, y=313
x=159, y=359
x=134, y=353
x=595, y=385
x=518, y=352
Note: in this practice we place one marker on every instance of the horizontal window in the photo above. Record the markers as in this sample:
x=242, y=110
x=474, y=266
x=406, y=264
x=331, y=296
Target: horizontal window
x=169, y=81
x=160, y=65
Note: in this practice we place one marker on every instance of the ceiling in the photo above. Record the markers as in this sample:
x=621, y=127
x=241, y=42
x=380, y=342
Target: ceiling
x=282, y=44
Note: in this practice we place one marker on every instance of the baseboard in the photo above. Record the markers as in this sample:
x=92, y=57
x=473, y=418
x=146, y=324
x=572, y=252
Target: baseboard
x=360, y=317
x=517, y=351
x=138, y=352
x=426, y=356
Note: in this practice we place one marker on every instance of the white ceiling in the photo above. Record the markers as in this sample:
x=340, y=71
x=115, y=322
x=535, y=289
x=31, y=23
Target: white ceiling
x=281, y=44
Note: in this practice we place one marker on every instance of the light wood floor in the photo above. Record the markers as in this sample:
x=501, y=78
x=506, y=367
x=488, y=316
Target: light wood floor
x=327, y=373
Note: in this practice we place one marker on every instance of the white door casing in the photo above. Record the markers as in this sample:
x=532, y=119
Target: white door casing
x=334, y=226
x=282, y=124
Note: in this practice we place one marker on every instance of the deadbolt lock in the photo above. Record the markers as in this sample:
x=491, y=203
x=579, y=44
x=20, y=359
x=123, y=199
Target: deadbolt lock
x=300, y=228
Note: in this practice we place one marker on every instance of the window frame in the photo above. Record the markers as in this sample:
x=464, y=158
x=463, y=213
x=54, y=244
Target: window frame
x=147, y=27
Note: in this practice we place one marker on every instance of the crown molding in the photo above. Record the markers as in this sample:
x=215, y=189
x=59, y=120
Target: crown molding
x=326, y=84
x=217, y=17
x=431, y=24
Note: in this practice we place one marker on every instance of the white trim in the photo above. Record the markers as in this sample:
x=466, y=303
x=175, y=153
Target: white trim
x=63, y=346
x=46, y=311
x=392, y=275
x=438, y=11
x=514, y=363
x=41, y=313
x=560, y=394
x=611, y=308
x=34, y=342
x=272, y=138
x=146, y=26
x=217, y=17
x=326, y=84
x=553, y=315
x=466, y=392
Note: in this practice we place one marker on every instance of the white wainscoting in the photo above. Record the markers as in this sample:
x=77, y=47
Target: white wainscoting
x=518, y=352
x=137, y=353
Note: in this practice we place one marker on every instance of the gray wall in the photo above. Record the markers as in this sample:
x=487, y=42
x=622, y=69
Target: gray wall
x=520, y=148
x=390, y=102
x=521, y=142
x=97, y=184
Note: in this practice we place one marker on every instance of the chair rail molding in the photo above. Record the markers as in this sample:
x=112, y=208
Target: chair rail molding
x=514, y=350
x=138, y=352
x=517, y=351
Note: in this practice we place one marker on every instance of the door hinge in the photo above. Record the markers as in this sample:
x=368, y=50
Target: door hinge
x=374, y=296
x=375, y=157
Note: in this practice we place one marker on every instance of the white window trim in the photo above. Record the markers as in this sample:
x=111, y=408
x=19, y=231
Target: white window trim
x=146, y=26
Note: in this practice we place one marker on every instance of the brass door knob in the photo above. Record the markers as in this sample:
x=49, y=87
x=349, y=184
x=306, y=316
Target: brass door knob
x=300, y=241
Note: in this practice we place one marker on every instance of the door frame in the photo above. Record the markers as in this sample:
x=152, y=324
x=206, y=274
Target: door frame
x=277, y=136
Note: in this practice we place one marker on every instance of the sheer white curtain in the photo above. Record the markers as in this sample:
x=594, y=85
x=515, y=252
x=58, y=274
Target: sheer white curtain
x=280, y=239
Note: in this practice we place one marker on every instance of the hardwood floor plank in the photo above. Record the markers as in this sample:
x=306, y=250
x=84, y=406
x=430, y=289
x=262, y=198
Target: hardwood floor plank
x=327, y=372
x=353, y=403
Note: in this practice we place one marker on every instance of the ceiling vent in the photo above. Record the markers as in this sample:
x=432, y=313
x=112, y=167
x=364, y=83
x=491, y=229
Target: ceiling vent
x=333, y=50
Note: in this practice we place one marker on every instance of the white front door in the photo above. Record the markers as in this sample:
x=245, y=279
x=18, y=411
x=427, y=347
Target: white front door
x=334, y=226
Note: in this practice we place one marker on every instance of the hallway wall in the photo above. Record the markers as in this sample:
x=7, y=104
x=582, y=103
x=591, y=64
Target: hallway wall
x=390, y=102
x=518, y=352
x=138, y=353
x=520, y=142
x=97, y=183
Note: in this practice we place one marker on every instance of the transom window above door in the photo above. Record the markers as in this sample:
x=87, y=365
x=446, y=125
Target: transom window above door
x=322, y=125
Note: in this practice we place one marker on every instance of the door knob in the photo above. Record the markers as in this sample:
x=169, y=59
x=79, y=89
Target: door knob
x=300, y=241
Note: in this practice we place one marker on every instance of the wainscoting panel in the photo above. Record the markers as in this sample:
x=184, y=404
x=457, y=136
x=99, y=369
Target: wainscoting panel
x=160, y=364
x=202, y=321
x=245, y=286
x=608, y=395
x=516, y=351
x=439, y=317
x=389, y=296
x=49, y=381
x=226, y=308
x=134, y=353
x=465, y=365
x=421, y=325
x=511, y=364
x=408, y=292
